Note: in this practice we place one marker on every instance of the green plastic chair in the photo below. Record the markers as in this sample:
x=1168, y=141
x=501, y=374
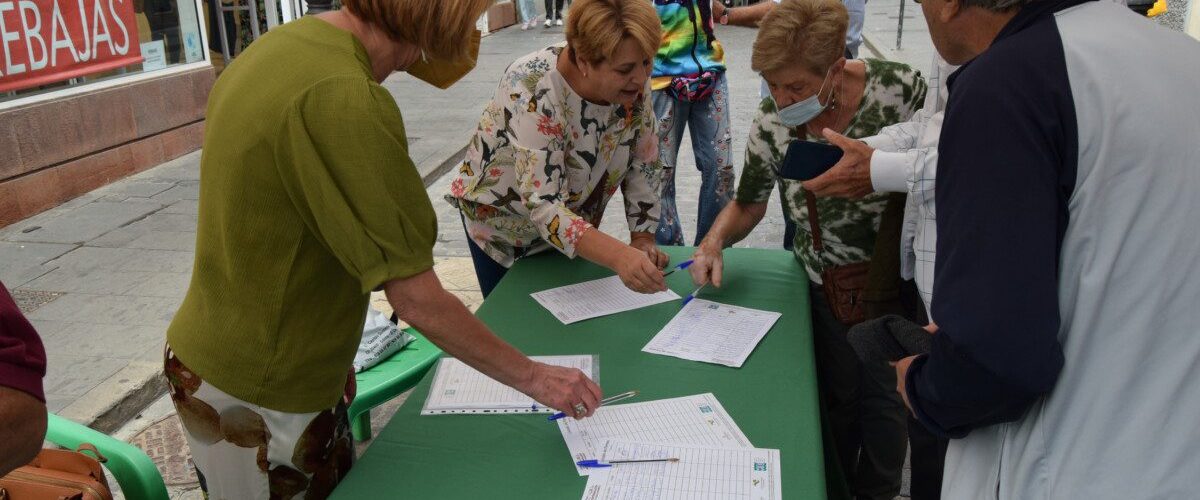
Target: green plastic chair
x=134, y=471
x=390, y=378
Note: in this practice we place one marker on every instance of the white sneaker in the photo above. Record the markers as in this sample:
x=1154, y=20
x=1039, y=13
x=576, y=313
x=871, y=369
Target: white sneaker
x=549, y=23
x=558, y=22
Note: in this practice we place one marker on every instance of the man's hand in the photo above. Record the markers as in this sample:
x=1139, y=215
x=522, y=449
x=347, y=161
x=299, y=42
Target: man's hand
x=645, y=242
x=562, y=388
x=707, y=264
x=901, y=373
x=850, y=177
x=639, y=273
x=22, y=428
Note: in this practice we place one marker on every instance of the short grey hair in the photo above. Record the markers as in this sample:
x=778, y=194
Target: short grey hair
x=996, y=5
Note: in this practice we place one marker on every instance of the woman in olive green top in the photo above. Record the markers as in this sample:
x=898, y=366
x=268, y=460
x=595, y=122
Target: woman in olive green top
x=308, y=201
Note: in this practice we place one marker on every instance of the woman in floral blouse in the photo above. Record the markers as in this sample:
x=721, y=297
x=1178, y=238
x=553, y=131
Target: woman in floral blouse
x=568, y=125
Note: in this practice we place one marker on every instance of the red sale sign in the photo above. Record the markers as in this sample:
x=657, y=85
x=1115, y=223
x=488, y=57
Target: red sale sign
x=47, y=41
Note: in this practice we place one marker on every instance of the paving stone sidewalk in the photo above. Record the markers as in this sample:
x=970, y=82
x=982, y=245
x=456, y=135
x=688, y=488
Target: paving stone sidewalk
x=102, y=275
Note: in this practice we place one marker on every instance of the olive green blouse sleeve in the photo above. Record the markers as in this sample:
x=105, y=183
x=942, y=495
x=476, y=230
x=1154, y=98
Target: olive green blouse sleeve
x=343, y=159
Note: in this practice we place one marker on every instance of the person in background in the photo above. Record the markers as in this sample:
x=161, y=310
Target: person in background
x=753, y=14
x=691, y=93
x=554, y=13
x=815, y=91
x=22, y=400
x=568, y=126
x=1066, y=346
x=528, y=13
x=309, y=201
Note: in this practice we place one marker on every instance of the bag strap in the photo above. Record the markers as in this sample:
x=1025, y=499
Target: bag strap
x=90, y=448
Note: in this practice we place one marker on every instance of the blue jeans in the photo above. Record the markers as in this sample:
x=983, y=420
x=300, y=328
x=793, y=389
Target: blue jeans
x=712, y=145
x=527, y=10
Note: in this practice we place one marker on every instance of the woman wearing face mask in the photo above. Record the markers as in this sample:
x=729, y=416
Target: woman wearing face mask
x=308, y=202
x=568, y=125
x=799, y=51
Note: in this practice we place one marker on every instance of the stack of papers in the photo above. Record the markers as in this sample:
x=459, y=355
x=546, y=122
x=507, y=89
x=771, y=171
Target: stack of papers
x=715, y=460
x=592, y=299
x=694, y=420
x=458, y=388
x=713, y=333
x=702, y=473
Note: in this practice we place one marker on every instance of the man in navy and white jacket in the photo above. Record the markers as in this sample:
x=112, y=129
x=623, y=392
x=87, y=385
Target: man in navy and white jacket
x=1066, y=286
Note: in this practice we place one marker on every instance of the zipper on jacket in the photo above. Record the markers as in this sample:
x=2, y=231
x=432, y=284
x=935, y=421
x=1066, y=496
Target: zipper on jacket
x=692, y=7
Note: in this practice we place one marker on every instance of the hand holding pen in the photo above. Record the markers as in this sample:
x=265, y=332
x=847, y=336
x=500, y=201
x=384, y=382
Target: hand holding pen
x=682, y=265
x=608, y=400
x=707, y=264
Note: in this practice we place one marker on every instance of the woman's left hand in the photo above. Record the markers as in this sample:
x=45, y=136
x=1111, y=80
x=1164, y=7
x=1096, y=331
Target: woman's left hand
x=645, y=243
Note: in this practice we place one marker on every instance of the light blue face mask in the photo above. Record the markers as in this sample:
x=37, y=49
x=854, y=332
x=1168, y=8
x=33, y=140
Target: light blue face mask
x=804, y=111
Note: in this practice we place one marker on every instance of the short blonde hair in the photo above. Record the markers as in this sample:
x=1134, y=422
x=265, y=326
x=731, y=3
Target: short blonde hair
x=596, y=27
x=808, y=33
x=441, y=28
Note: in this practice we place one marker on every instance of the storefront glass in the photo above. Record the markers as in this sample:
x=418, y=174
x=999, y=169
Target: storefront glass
x=49, y=45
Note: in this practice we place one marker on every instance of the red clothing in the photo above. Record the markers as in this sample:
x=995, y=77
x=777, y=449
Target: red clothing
x=22, y=357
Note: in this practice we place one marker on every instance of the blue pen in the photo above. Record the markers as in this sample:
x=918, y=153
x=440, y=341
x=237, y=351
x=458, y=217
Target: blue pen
x=681, y=265
x=608, y=400
x=693, y=295
x=610, y=463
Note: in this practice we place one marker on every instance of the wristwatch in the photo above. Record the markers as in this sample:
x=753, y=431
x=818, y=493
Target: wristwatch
x=725, y=16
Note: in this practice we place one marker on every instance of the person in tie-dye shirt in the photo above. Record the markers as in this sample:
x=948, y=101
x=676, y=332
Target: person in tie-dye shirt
x=690, y=91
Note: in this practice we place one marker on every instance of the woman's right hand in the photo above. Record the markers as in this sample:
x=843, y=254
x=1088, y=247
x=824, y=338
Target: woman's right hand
x=561, y=388
x=707, y=264
x=638, y=273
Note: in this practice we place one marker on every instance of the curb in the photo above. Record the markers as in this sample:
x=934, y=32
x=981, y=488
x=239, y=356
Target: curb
x=880, y=53
x=438, y=171
x=119, y=398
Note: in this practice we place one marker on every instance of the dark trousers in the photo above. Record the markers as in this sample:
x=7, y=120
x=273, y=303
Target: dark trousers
x=928, y=461
x=865, y=415
x=928, y=452
x=554, y=9
x=789, y=234
x=487, y=271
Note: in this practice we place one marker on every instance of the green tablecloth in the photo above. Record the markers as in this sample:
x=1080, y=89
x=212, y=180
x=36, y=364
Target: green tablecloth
x=773, y=397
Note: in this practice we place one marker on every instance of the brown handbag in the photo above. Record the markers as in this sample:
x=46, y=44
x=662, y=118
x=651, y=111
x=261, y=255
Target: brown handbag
x=844, y=285
x=58, y=474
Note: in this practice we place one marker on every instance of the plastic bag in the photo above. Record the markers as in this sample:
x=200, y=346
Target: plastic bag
x=380, y=340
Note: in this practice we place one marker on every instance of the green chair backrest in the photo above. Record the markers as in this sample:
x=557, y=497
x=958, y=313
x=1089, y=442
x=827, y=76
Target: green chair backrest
x=135, y=472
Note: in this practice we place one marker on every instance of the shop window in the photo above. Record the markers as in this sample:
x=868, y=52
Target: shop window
x=48, y=45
